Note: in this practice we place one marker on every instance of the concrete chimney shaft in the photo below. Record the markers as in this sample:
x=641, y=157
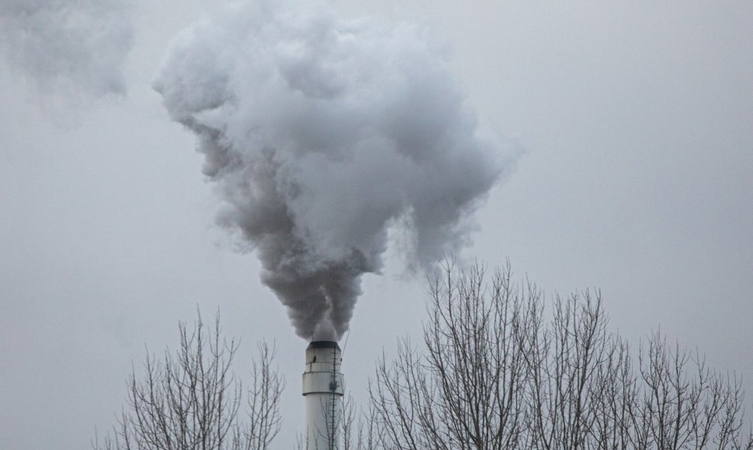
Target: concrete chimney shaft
x=323, y=390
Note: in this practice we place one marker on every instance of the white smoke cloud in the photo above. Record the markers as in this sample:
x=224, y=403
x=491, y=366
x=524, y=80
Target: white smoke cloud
x=69, y=47
x=321, y=134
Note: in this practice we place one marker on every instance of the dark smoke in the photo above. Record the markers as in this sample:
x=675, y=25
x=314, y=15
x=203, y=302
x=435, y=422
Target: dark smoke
x=321, y=134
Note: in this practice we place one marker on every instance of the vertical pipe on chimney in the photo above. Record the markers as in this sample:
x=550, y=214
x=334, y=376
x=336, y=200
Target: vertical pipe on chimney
x=323, y=390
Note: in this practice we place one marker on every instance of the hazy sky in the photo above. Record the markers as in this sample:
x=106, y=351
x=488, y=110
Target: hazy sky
x=636, y=121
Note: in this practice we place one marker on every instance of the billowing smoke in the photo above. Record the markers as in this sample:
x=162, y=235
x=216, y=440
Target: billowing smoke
x=64, y=46
x=321, y=134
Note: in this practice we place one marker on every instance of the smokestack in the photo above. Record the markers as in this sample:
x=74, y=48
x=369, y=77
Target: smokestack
x=323, y=390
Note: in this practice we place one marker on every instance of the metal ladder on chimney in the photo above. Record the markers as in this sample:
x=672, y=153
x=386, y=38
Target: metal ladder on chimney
x=333, y=387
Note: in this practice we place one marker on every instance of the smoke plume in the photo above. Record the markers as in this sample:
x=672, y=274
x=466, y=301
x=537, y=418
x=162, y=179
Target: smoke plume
x=321, y=134
x=70, y=47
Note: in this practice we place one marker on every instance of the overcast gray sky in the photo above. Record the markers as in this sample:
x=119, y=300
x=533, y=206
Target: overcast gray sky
x=636, y=120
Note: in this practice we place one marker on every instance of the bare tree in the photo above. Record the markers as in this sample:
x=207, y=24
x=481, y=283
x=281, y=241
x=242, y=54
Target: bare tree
x=263, y=400
x=683, y=403
x=468, y=390
x=357, y=429
x=190, y=399
x=561, y=367
x=498, y=371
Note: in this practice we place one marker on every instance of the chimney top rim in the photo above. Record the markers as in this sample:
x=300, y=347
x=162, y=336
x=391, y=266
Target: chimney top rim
x=323, y=344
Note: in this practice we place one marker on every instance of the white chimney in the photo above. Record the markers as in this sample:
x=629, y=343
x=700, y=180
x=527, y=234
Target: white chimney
x=323, y=390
